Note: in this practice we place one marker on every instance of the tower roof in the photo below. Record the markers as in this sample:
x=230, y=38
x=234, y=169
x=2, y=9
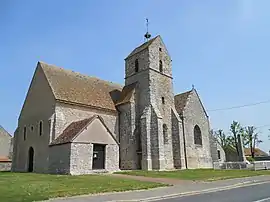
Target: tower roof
x=142, y=47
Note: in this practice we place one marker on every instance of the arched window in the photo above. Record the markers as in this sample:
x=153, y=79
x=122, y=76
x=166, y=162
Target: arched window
x=160, y=66
x=136, y=65
x=165, y=134
x=40, y=128
x=197, y=135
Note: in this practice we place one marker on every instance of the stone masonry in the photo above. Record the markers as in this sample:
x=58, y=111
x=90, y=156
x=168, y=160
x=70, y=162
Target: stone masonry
x=83, y=123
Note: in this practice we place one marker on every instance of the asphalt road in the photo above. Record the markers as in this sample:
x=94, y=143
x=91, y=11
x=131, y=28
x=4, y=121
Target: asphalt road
x=254, y=193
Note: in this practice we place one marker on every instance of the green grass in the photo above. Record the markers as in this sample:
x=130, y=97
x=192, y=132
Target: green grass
x=198, y=174
x=17, y=187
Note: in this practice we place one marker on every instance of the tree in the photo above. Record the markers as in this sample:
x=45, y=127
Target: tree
x=235, y=129
x=252, y=139
x=221, y=138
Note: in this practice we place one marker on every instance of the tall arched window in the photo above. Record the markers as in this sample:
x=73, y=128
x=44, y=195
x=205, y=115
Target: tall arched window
x=197, y=135
x=40, y=128
x=160, y=66
x=136, y=65
x=165, y=134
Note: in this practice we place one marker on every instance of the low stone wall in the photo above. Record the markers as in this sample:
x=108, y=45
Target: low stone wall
x=5, y=166
x=230, y=165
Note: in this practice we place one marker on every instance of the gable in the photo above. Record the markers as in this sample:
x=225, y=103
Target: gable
x=194, y=102
x=96, y=133
x=73, y=87
x=90, y=130
x=39, y=92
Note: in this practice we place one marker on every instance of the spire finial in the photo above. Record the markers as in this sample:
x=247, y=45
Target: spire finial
x=147, y=36
x=193, y=87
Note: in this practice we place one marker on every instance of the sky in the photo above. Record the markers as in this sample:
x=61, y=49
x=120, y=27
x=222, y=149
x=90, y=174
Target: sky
x=220, y=47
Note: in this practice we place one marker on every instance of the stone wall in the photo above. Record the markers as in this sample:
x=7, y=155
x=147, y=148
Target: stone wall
x=198, y=156
x=39, y=94
x=59, y=159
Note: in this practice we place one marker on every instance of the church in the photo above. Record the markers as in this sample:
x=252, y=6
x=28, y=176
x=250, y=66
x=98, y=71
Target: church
x=77, y=124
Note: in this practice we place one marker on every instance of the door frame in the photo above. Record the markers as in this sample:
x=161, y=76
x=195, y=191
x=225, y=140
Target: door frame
x=104, y=156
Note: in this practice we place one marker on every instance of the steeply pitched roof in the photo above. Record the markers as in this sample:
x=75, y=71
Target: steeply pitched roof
x=257, y=151
x=180, y=101
x=126, y=93
x=69, y=86
x=142, y=47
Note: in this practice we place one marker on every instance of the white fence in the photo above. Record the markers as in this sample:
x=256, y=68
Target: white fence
x=261, y=165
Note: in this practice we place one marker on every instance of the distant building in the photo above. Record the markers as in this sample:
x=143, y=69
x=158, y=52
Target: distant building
x=5, y=149
x=76, y=124
x=257, y=152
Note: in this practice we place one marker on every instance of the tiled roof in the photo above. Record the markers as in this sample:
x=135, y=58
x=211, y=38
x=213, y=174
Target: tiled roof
x=5, y=159
x=71, y=131
x=142, y=47
x=69, y=86
x=258, y=152
x=180, y=101
x=126, y=93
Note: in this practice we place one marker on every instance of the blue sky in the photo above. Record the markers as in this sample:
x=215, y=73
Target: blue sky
x=222, y=47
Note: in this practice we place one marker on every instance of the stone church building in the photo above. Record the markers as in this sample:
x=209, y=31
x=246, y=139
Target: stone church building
x=76, y=124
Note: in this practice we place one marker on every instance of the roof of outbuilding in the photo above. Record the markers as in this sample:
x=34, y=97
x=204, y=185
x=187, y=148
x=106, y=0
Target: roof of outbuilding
x=142, y=47
x=5, y=159
x=75, y=128
x=74, y=87
x=71, y=131
x=180, y=101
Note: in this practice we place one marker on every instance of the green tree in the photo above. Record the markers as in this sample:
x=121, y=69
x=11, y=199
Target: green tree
x=252, y=139
x=235, y=129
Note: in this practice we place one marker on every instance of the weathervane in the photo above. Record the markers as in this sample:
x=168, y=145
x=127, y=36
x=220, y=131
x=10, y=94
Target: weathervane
x=193, y=87
x=147, y=35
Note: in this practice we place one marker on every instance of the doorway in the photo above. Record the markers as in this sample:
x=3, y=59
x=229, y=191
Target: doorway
x=31, y=159
x=98, y=157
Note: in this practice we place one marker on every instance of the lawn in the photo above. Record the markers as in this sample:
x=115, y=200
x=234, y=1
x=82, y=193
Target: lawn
x=17, y=187
x=198, y=174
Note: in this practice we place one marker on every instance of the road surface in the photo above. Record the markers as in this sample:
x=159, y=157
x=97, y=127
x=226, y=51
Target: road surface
x=253, y=193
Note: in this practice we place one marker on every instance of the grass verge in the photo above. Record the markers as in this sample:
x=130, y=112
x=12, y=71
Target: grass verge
x=198, y=174
x=26, y=187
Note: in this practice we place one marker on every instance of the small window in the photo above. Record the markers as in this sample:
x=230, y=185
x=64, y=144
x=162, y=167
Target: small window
x=197, y=135
x=165, y=134
x=163, y=100
x=136, y=65
x=219, y=157
x=160, y=49
x=160, y=66
x=32, y=128
x=24, y=133
x=40, y=128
